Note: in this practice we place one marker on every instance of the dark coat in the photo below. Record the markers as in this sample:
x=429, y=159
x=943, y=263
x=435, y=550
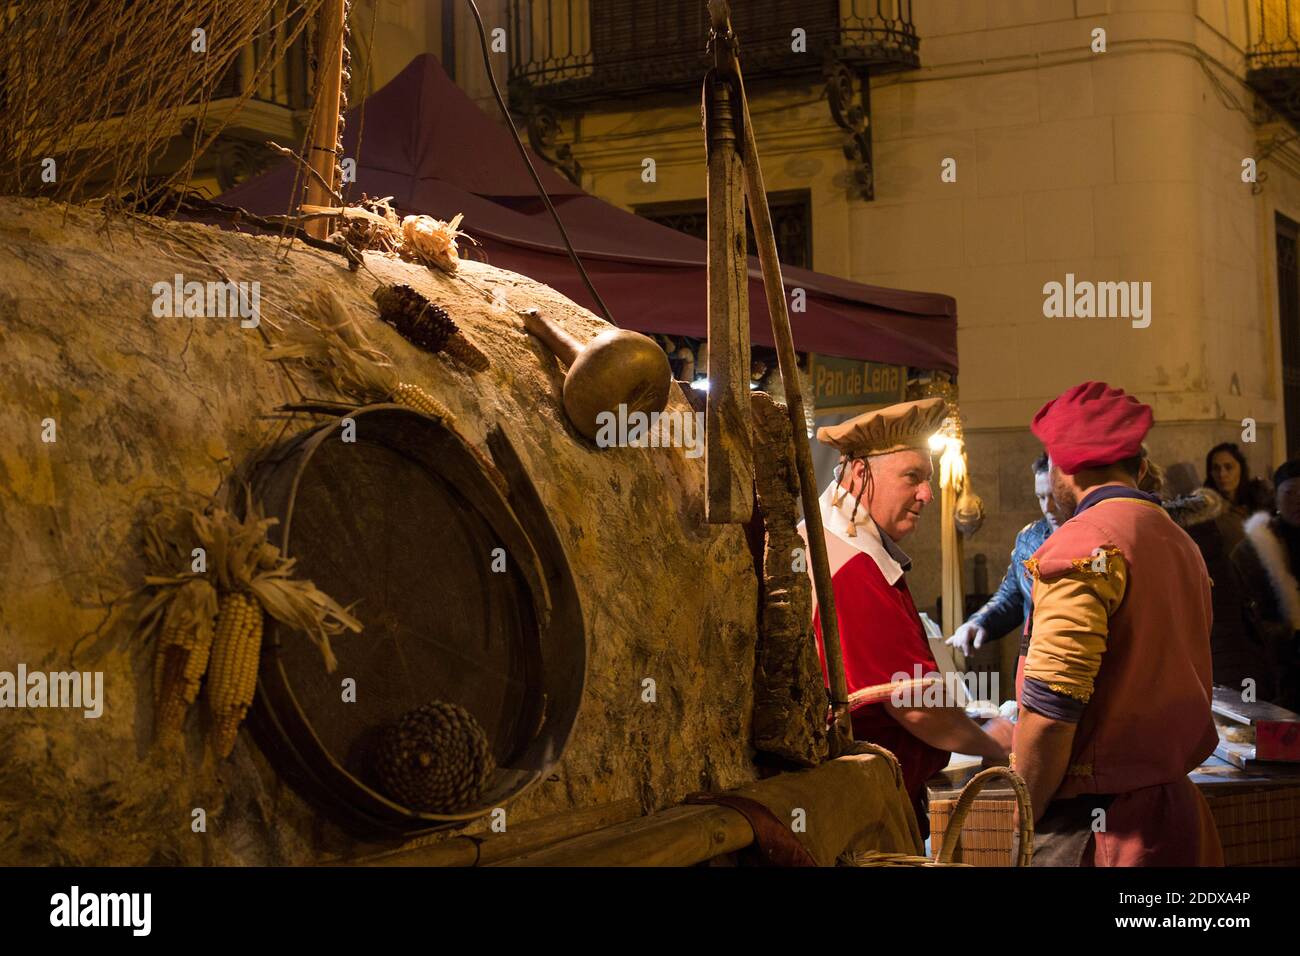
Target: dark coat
x=1207, y=521
x=1269, y=595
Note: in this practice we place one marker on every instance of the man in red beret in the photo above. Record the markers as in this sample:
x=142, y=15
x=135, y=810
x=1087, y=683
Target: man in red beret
x=1115, y=688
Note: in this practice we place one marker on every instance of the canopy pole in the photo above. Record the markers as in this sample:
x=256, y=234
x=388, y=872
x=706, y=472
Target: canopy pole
x=724, y=40
x=325, y=130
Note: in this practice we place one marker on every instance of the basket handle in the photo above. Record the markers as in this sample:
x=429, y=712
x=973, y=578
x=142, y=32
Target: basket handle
x=951, y=852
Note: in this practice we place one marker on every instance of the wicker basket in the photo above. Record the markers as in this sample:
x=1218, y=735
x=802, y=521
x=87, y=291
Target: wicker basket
x=989, y=836
x=1258, y=828
x=951, y=854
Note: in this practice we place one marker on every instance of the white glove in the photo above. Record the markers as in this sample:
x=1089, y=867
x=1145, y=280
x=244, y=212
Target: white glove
x=967, y=635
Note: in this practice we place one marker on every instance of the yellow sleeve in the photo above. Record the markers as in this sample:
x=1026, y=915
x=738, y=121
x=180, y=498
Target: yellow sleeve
x=1071, y=624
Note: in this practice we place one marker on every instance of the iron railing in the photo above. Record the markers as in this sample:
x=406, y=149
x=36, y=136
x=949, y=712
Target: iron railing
x=583, y=51
x=1273, y=56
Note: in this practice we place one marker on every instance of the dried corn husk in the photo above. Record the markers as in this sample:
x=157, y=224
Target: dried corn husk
x=431, y=241
x=181, y=658
x=245, y=561
x=370, y=225
x=329, y=342
x=245, y=577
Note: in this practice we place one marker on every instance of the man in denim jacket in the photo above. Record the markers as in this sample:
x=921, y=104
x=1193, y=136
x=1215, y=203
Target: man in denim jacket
x=1011, y=603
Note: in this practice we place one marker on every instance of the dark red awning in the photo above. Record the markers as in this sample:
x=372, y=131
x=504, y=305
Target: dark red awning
x=427, y=145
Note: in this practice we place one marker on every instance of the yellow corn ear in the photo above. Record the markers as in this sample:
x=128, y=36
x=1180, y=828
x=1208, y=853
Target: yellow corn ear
x=170, y=636
x=413, y=396
x=232, y=676
x=179, y=664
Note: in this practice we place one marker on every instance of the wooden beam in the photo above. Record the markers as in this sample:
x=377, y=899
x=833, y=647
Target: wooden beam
x=485, y=849
x=680, y=836
x=765, y=237
x=729, y=453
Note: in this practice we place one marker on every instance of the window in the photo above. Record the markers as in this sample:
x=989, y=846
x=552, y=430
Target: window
x=1288, y=316
x=791, y=221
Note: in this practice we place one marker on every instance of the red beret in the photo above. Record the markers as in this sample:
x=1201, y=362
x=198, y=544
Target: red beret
x=1092, y=425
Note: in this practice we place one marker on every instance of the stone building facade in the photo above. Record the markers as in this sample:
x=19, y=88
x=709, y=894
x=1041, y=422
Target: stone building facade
x=1025, y=142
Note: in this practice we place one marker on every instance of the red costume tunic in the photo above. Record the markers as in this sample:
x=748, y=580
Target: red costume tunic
x=1120, y=644
x=884, y=643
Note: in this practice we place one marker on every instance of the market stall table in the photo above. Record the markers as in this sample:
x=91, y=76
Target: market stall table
x=1257, y=812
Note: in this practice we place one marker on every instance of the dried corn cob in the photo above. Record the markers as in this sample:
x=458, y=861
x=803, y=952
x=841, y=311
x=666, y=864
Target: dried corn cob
x=183, y=644
x=232, y=677
x=168, y=675
x=466, y=352
x=179, y=664
x=426, y=325
x=412, y=396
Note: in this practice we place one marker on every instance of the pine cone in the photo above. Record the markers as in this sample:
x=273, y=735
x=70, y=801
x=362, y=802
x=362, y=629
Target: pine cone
x=434, y=759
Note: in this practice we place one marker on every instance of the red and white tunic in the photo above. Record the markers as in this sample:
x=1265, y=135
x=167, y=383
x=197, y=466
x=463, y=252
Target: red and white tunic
x=882, y=636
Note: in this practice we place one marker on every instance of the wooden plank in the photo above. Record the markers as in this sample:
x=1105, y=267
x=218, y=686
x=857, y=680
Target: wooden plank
x=729, y=483
x=484, y=849
x=680, y=836
x=787, y=359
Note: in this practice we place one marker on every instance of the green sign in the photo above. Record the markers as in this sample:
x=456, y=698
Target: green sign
x=842, y=384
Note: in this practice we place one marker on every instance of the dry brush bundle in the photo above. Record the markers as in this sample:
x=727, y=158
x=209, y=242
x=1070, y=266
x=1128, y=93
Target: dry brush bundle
x=103, y=88
x=214, y=574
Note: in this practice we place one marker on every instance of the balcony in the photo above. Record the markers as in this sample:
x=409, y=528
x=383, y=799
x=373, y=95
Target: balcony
x=586, y=53
x=1273, y=57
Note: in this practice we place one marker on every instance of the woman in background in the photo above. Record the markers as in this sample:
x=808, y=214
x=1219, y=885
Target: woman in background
x=1267, y=562
x=1227, y=473
x=1237, y=651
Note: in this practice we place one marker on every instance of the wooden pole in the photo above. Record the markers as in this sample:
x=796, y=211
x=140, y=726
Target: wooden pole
x=950, y=547
x=485, y=849
x=729, y=444
x=952, y=480
x=765, y=236
x=681, y=836
x=325, y=130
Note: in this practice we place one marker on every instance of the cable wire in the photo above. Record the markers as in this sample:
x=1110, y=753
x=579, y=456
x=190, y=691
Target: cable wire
x=537, y=180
